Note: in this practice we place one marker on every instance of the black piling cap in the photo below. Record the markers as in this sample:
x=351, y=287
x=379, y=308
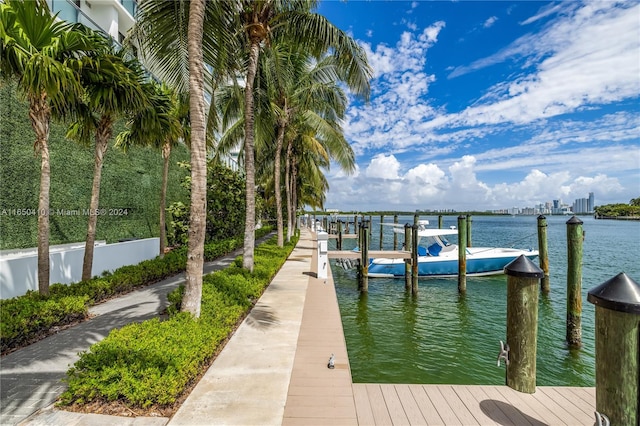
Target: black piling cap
x=523, y=267
x=620, y=293
x=574, y=221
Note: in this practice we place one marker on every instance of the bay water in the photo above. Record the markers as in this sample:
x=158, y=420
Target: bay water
x=442, y=337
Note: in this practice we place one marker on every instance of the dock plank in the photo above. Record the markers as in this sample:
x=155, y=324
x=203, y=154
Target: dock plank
x=394, y=406
x=458, y=406
x=363, y=407
x=410, y=405
x=531, y=409
x=425, y=405
x=467, y=395
x=515, y=415
x=376, y=398
x=553, y=407
x=442, y=406
x=490, y=407
x=572, y=403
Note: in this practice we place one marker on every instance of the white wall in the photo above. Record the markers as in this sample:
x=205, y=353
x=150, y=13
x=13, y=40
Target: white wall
x=19, y=268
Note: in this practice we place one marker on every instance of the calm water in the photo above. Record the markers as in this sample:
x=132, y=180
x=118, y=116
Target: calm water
x=440, y=337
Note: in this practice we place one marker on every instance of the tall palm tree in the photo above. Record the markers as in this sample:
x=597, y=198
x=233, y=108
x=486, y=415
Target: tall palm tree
x=198, y=216
x=113, y=88
x=43, y=54
x=267, y=21
x=163, y=124
x=179, y=38
x=315, y=135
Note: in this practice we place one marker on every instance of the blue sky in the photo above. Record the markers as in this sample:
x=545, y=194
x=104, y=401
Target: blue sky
x=483, y=105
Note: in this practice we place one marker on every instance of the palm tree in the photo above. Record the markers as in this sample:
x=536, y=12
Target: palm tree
x=113, y=87
x=43, y=54
x=270, y=21
x=163, y=124
x=315, y=135
x=178, y=39
x=198, y=215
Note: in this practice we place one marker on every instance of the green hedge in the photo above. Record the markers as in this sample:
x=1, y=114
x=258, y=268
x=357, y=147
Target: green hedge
x=23, y=319
x=130, y=181
x=151, y=363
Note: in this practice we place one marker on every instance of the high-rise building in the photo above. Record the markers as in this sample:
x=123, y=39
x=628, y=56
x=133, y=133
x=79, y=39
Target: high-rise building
x=591, y=204
x=112, y=17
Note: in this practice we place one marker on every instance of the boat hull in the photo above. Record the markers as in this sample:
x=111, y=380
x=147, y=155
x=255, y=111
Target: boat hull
x=480, y=262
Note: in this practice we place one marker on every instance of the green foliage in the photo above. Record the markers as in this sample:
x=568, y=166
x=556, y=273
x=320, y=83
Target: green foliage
x=27, y=317
x=152, y=362
x=130, y=181
x=225, y=202
x=620, y=209
x=225, y=206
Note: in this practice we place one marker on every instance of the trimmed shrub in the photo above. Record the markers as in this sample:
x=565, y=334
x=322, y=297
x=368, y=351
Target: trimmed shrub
x=24, y=319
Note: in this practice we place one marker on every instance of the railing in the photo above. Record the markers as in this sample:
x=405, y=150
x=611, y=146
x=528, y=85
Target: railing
x=131, y=6
x=68, y=11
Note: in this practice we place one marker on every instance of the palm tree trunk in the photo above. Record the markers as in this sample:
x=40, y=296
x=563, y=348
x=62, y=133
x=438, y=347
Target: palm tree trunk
x=40, y=116
x=197, y=220
x=166, y=152
x=249, y=159
x=287, y=185
x=294, y=191
x=103, y=134
x=277, y=189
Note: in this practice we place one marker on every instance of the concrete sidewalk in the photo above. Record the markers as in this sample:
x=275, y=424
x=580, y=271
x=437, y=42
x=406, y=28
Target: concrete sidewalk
x=272, y=371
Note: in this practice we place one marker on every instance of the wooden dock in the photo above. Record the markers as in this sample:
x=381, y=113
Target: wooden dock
x=389, y=404
x=318, y=395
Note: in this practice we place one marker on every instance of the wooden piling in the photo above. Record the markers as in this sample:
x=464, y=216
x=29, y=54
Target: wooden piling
x=407, y=262
x=575, y=239
x=414, y=260
x=381, y=226
x=543, y=254
x=522, y=323
x=462, y=254
x=370, y=227
x=617, y=335
x=364, y=257
x=469, y=221
x=395, y=234
x=339, y=234
x=440, y=223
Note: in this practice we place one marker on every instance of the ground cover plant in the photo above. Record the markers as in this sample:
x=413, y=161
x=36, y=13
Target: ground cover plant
x=153, y=362
x=27, y=318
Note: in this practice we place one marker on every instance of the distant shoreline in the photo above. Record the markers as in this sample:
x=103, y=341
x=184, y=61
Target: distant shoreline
x=618, y=217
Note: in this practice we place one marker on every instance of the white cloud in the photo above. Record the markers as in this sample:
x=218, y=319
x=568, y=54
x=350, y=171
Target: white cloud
x=383, y=167
x=544, y=12
x=490, y=21
x=429, y=186
x=540, y=135
x=400, y=84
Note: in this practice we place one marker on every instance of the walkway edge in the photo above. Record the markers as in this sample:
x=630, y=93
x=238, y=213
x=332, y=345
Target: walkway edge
x=248, y=381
